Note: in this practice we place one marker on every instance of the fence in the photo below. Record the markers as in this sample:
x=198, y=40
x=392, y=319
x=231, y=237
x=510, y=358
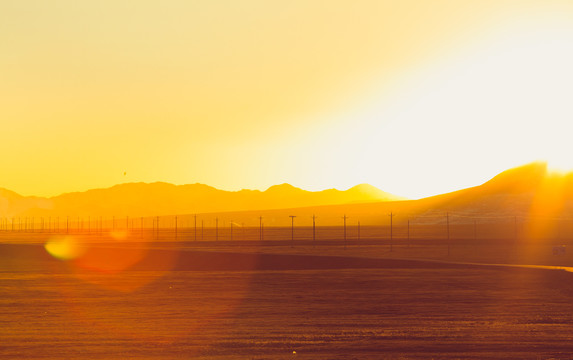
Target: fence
x=214, y=227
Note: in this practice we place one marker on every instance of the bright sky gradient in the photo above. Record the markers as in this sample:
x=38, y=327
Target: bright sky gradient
x=414, y=97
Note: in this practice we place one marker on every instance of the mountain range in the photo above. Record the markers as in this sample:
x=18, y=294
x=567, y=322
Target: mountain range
x=515, y=195
x=527, y=191
x=160, y=199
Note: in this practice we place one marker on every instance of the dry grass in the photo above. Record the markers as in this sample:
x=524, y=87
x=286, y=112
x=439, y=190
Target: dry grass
x=54, y=310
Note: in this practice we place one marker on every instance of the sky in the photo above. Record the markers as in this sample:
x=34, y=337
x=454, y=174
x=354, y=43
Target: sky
x=414, y=97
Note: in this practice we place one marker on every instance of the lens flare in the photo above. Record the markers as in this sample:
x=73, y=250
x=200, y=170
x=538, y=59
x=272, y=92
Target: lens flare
x=64, y=248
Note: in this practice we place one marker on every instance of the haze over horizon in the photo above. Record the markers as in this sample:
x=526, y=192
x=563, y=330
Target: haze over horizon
x=530, y=192
x=415, y=98
x=284, y=184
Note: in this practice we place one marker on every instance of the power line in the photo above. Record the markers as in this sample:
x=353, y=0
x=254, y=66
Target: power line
x=313, y=230
x=345, y=217
x=292, y=229
x=391, y=230
x=448, y=227
x=408, y=233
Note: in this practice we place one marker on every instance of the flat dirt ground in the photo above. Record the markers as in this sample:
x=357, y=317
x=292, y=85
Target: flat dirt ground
x=225, y=301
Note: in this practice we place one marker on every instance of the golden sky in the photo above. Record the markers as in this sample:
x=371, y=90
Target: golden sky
x=414, y=97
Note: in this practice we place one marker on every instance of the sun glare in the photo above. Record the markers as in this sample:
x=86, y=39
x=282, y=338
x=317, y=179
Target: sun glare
x=560, y=165
x=492, y=105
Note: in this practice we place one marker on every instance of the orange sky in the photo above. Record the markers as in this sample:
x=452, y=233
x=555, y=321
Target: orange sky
x=414, y=97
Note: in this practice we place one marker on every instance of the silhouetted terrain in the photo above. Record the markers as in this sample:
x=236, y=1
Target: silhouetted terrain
x=525, y=192
x=142, y=199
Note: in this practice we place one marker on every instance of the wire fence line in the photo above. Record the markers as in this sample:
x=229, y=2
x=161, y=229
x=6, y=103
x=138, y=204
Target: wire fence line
x=213, y=227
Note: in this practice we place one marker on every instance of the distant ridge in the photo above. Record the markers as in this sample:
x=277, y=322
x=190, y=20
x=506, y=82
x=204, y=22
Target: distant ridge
x=519, y=193
x=160, y=198
x=522, y=192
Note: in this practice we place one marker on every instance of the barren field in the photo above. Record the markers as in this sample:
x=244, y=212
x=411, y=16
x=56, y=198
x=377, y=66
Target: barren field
x=242, y=300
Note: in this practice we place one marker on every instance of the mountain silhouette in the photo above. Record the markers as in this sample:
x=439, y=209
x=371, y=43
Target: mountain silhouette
x=156, y=199
x=529, y=190
x=516, y=192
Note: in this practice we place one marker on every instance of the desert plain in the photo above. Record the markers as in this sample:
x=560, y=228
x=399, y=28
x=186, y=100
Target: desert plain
x=371, y=298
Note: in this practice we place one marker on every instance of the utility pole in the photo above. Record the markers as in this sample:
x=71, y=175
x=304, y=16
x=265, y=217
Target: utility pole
x=391, y=229
x=127, y=224
x=313, y=230
x=195, y=222
x=231, y=230
x=67, y=224
x=408, y=233
x=515, y=228
x=157, y=236
x=448, y=227
x=292, y=229
x=202, y=228
x=345, y=217
x=175, y=228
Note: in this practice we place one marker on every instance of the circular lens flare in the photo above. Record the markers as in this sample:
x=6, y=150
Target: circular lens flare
x=64, y=248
